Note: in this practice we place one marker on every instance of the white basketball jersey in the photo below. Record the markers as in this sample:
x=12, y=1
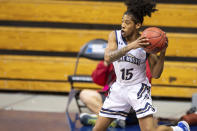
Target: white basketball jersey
x=130, y=69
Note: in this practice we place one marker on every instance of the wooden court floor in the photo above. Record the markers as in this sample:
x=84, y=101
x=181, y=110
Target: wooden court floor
x=32, y=121
x=11, y=120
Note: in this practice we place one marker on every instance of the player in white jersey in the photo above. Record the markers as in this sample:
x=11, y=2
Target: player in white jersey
x=130, y=68
x=132, y=88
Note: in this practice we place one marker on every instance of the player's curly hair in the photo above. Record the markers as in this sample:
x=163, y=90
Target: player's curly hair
x=140, y=8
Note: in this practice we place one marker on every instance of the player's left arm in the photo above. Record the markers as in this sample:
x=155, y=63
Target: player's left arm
x=157, y=63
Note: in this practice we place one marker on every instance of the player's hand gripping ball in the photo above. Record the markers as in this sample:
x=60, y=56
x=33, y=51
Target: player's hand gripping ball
x=157, y=39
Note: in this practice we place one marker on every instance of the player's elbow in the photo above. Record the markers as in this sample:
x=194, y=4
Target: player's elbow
x=156, y=76
x=157, y=73
x=107, y=59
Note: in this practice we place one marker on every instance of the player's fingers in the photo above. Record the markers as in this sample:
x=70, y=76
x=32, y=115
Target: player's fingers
x=167, y=40
x=144, y=44
x=166, y=45
x=143, y=39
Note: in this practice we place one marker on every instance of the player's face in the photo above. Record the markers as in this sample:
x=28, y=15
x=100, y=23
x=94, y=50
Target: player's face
x=128, y=27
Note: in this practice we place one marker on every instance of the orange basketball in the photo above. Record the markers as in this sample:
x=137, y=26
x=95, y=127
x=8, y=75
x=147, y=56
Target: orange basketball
x=157, y=39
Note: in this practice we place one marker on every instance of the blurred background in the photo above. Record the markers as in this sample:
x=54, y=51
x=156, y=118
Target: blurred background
x=40, y=39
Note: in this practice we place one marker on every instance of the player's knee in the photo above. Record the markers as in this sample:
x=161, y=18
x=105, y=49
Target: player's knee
x=147, y=128
x=162, y=128
x=159, y=128
x=85, y=95
x=96, y=128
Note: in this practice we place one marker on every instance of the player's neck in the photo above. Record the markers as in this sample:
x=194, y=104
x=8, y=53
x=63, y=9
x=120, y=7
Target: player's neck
x=132, y=38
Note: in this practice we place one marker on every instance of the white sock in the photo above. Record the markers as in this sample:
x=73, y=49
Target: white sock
x=176, y=128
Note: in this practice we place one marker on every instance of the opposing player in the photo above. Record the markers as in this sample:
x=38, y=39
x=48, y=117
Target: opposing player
x=132, y=88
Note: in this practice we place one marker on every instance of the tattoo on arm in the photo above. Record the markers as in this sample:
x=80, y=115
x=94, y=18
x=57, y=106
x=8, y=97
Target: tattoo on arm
x=114, y=55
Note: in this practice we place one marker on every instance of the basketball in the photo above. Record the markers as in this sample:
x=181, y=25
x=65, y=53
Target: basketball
x=157, y=39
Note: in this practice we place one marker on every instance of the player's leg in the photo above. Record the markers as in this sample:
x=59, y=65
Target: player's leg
x=142, y=104
x=147, y=124
x=114, y=107
x=102, y=123
x=92, y=99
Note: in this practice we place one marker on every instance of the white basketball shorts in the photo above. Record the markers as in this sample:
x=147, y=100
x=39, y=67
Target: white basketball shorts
x=121, y=98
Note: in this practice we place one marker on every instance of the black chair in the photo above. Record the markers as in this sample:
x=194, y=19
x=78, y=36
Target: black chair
x=93, y=50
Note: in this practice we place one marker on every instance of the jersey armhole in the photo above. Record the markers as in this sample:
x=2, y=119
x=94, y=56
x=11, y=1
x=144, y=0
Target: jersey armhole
x=147, y=55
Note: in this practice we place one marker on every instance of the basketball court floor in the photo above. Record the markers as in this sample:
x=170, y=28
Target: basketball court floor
x=46, y=112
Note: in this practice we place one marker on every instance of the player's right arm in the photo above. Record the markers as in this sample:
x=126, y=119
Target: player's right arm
x=112, y=53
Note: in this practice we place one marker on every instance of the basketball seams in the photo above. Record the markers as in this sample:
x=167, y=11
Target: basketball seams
x=154, y=45
x=155, y=32
x=162, y=42
x=160, y=35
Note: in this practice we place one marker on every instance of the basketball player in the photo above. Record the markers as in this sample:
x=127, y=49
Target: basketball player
x=101, y=76
x=132, y=88
x=104, y=75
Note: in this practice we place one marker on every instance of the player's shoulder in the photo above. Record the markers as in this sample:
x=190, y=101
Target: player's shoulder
x=114, y=32
x=112, y=35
